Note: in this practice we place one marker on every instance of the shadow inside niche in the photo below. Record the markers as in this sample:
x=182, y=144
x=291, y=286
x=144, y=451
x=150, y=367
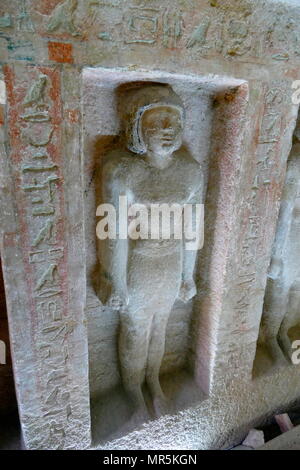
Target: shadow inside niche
x=102, y=145
x=111, y=413
x=10, y=432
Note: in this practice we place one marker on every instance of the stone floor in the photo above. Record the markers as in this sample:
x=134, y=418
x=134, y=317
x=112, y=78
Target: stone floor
x=10, y=434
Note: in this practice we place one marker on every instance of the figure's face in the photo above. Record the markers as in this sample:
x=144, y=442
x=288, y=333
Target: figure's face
x=162, y=129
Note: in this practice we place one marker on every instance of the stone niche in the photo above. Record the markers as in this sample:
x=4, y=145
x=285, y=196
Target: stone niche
x=280, y=325
x=207, y=103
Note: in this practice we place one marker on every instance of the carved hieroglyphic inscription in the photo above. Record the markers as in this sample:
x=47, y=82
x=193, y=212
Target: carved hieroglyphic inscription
x=257, y=202
x=34, y=123
x=142, y=25
x=206, y=32
x=281, y=307
x=24, y=20
x=153, y=25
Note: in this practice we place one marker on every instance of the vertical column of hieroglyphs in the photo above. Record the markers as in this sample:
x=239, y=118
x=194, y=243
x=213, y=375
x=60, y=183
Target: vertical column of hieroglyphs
x=259, y=216
x=270, y=128
x=35, y=139
x=261, y=183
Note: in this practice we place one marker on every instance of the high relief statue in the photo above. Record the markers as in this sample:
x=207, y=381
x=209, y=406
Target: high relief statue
x=142, y=278
x=282, y=300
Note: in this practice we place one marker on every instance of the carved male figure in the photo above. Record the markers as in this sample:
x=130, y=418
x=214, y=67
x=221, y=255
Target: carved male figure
x=147, y=275
x=282, y=301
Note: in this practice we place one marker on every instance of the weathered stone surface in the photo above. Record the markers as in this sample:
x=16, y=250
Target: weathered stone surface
x=39, y=251
x=232, y=63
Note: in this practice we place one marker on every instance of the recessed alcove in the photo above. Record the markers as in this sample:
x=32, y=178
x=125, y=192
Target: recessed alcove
x=212, y=106
x=280, y=323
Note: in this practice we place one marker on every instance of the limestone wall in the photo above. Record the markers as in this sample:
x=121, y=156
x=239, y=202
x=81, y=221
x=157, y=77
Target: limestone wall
x=233, y=64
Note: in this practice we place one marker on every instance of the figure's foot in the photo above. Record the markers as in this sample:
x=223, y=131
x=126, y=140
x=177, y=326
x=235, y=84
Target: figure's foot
x=160, y=405
x=139, y=416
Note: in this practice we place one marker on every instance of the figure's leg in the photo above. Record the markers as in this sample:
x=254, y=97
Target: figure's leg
x=275, y=309
x=153, y=287
x=289, y=320
x=133, y=349
x=283, y=337
x=155, y=357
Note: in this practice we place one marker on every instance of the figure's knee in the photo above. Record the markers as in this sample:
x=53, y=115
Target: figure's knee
x=276, y=298
x=133, y=352
x=155, y=357
x=134, y=330
x=156, y=350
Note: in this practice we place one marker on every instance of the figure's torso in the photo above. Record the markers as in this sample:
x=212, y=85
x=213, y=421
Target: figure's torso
x=175, y=184
x=179, y=183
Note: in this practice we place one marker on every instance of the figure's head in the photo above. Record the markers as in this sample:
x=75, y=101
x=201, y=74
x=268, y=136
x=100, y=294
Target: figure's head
x=161, y=129
x=154, y=118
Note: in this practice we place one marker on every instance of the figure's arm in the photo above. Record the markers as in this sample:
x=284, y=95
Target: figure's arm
x=191, y=247
x=113, y=253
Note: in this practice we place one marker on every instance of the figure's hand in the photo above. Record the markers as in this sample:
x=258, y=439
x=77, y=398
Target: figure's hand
x=118, y=302
x=276, y=268
x=188, y=290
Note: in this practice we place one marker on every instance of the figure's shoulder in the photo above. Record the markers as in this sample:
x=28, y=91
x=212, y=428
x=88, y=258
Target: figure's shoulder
x=188, y=162
x=117, y=161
